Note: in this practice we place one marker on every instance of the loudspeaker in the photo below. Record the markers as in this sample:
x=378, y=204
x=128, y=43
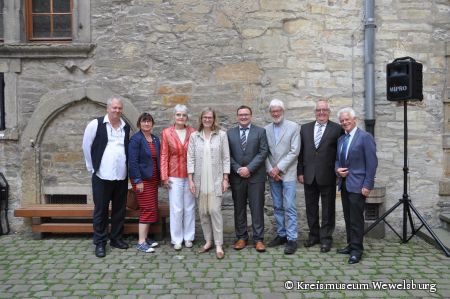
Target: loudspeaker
x=404, y=80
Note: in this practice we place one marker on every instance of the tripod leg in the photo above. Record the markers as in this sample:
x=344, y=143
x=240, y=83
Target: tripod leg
x=424, y=222
x=382, y=217
x=413, y=229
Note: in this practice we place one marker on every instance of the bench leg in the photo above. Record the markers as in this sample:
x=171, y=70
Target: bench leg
x=36, y=221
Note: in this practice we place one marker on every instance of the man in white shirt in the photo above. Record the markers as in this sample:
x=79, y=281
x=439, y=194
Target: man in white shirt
x=105, y=148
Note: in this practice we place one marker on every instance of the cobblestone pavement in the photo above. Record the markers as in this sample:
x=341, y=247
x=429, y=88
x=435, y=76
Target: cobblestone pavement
x=65, y=267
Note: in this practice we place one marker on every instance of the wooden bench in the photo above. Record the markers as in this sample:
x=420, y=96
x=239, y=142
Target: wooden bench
x=77, y=218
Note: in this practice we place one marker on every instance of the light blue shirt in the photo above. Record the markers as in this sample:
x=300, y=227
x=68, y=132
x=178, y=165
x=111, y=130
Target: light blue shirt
x=352, y=134
x=277, y=131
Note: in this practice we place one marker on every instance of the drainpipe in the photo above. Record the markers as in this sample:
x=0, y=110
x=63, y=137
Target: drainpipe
x=369, y=68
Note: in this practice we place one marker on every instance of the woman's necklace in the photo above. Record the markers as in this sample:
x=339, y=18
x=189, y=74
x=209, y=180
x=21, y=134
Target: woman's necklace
x=149, y=138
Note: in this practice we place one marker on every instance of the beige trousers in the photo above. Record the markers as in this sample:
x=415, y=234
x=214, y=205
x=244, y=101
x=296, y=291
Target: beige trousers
x=211, y=219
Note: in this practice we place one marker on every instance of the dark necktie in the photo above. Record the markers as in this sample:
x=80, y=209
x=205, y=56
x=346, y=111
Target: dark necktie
x=243, y=138
x=343, y=155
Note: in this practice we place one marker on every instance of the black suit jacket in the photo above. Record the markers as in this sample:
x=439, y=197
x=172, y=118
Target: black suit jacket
x=318, y=163
x=253, y=157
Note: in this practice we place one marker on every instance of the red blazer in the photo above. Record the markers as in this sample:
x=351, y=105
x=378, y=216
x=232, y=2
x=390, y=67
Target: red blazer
x=174, y=153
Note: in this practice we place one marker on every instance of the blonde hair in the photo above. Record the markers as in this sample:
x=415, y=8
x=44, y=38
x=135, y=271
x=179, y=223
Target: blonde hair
x=215, y=126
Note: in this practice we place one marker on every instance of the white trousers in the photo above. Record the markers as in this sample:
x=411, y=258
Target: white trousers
x=182, y=211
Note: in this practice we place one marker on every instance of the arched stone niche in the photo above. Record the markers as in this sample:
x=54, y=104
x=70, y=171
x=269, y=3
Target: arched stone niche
x=51, y=153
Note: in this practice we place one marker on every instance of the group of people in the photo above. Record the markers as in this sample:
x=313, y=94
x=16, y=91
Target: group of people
x=197, y=166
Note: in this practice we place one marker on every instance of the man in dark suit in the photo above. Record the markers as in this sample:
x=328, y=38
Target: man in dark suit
x=315, y=169
x=356, y=165
x=248, y=152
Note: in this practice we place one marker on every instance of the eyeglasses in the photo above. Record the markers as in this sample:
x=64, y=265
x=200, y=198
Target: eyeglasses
x=244, y=115
x=180, y=115
x=322, y=110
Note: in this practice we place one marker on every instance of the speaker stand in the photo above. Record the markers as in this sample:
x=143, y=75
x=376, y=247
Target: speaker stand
x=406, y=200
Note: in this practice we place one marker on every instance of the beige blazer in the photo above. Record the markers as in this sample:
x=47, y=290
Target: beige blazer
x=284, y=153
x=220, y=157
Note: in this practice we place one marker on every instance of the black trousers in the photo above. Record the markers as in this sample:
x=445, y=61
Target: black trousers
x=255, y=194
x=103, y=192
x=327, y=195
x=353, y=206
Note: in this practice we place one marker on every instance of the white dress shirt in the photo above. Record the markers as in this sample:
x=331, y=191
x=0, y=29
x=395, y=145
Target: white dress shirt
x=316, y=127
x=113, y=165
x=246, y=131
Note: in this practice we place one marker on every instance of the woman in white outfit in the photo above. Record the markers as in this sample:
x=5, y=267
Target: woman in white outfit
x=174, y=146
x=208, y=170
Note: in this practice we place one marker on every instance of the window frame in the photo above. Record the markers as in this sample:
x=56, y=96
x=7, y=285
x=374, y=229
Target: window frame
x=29, y=23
x=2, y=35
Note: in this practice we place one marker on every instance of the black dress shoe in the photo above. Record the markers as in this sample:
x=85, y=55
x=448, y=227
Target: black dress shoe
x=345, y=250
x=354, y=259
x=310, y=243
x=277, y=241
x=291, y=247
x=120, y=244
x=325, y=247
x=100, y=250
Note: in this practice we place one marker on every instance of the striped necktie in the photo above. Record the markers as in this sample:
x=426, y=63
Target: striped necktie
x=318, y=135
x=243, y=138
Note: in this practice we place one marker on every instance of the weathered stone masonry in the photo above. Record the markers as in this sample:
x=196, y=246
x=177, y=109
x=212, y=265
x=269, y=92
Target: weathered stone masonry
x=156, y=54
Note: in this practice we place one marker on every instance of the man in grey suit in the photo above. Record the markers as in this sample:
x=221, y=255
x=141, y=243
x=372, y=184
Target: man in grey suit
x=316, y=171
x=248, y=152
x=283, y=137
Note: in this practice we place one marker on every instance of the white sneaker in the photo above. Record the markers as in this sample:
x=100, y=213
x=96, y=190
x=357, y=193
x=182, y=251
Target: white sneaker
x=188, y=244
x=152, y=243
x=145, y=248
x=177, y=246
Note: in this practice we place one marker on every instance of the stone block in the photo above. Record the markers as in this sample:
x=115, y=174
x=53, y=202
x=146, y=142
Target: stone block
x=251, y=33
x=222, y=20
x=172, y=100
x=444, y=187
x=68, y=157
x=278, y=5
x=318, y=9
x=175, y=87
x=307, y=27
x=245, y=71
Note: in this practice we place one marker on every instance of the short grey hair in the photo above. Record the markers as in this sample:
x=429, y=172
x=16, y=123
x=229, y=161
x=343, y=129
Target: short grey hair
x=180, y=108
x=348, y=110
x=111, y=99
x=276, y=103
x=323, y=100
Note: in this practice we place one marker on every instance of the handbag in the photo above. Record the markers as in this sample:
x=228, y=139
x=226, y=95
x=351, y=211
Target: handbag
x=132, y=202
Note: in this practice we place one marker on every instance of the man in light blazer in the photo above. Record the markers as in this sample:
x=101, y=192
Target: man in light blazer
x=356, y=165
x=248, y=152
x=315, y=170
x=283, y=137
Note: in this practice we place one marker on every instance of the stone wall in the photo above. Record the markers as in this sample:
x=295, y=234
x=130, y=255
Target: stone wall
x=231, y=52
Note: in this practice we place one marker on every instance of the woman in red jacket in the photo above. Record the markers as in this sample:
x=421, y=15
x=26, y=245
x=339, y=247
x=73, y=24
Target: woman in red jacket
x=175, y=141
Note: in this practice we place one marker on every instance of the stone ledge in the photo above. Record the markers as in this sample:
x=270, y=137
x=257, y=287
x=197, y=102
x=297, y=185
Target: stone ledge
x=27, y=50
x=9, y=134
x=444, y=187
